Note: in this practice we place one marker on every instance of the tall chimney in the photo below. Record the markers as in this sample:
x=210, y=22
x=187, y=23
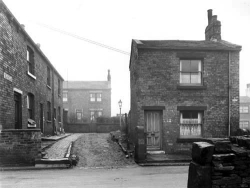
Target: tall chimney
x=213, y=30
x=209, y=15
x=248, y=90
x=109, y=77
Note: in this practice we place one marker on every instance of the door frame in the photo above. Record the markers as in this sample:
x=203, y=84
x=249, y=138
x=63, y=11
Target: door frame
x=160, y=111
x=18, y=97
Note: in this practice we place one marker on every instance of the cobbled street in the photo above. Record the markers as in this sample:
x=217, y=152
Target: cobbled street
x=59, y=149
x=98, y=150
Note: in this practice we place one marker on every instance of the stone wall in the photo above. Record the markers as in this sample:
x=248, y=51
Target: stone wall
x=220, y=163
x=19, y=147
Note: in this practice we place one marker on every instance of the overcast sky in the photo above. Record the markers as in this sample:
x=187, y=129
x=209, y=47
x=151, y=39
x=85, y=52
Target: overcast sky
x=115, y=23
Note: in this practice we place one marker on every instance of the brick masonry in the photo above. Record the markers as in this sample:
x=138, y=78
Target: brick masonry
x=19, y=146
x=13, y=52
x=154, y=81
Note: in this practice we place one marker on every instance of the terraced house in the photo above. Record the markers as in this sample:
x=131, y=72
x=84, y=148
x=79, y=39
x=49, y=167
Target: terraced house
x=31, y=88
x=84, y=101
x=184, y=91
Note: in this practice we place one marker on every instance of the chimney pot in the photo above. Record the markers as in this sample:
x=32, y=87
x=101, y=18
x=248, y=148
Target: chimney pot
x=209, y=15
x=109, y=77
x=23, y=26
x=38, y=45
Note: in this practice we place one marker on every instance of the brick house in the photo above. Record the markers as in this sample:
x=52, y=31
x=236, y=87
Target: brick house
x=86, y=100
x=245, y=110
x=31, y=88
x=183, y=91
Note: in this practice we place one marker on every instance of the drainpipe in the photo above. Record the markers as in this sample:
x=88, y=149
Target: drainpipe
x=229, y=96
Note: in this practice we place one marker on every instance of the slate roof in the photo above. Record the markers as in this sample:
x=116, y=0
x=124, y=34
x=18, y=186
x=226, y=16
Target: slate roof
x=86, y=85
x=244, y=99
x=188, y=44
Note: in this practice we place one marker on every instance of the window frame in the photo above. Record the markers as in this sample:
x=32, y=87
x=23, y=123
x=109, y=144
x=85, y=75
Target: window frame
x=59, y=117
x=200, y=72
x=244, y=121
x=31, y=62
x=65, y=99
x=242, y=111
x=79, y=111
x=48, y=76
x=31, y=106
x=48, y=111
x=187, y=124
x=93, y=97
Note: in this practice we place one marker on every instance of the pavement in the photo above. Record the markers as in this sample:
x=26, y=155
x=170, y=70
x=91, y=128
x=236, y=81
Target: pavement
x=57, y=155
x=129, y=177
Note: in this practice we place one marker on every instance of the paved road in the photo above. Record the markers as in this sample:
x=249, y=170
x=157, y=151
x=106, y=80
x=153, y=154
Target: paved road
x=58, y=149
x=130, y=177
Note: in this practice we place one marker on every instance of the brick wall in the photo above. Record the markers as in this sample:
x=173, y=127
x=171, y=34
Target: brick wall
x=19, y=146
x=80, y=99
x=154, y=80
x=13, y=45
x=91, y=128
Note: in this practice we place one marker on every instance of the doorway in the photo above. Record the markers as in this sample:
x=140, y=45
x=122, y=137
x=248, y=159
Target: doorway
x=41, y=118
x=153, y=123
x=18, y=110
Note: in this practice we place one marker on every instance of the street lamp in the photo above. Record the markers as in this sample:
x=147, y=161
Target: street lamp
x=120, y=106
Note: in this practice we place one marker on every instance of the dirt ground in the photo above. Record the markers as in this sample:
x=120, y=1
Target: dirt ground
x=98, y=150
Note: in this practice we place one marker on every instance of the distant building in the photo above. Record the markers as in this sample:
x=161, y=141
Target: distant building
x=245, y=110
x=183, y=91
x=30, y=86
x=84, y=101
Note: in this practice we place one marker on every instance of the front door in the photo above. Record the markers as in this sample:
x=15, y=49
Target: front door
x=18, y=110
x=153, y=129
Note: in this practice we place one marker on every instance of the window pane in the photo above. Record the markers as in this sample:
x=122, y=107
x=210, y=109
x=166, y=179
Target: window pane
x=99, y=97
x=185, y=65
x=185, y=78
x=196, y=78
x=195, y=66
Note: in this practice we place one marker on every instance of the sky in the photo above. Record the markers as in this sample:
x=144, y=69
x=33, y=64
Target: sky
x=115, y=23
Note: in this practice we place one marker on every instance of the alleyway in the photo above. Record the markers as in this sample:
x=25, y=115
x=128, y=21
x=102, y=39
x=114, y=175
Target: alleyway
x=59, y=149
x=98, y=150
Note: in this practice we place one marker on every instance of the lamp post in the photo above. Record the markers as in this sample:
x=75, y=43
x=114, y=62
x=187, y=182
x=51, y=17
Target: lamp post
x=120, y=106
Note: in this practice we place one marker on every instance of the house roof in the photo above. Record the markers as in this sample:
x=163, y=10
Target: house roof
x=86, y=85
x=244, y=99
x=188, y=44
x=34, y=45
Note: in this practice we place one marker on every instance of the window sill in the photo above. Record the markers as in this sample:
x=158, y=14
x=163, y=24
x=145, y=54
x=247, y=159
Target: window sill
x=31, y=75
x=193, y=87
x=48, y=87
x=190, y=139
x=49, y=121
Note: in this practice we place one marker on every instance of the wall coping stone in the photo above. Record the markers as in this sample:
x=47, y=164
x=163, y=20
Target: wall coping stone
x=21, y=130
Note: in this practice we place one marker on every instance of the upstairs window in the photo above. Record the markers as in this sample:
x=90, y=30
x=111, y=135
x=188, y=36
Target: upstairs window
x=48, y=76
x=48, y=111
x=190, y=72
x=95, y=97
x=59, y=87
x=30, y=106
x=190, y=124
x=65, y=96
x=30, y=60
x=244, y=109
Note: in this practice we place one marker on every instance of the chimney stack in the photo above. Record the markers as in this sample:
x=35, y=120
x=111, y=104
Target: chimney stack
x=209, y=15
x=248, y=90
x=109, y=77
x=213, y=30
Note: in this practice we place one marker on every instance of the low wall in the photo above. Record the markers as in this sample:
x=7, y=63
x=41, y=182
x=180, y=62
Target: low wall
x=91, y=128
x=220, y=163
x=19, y=146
